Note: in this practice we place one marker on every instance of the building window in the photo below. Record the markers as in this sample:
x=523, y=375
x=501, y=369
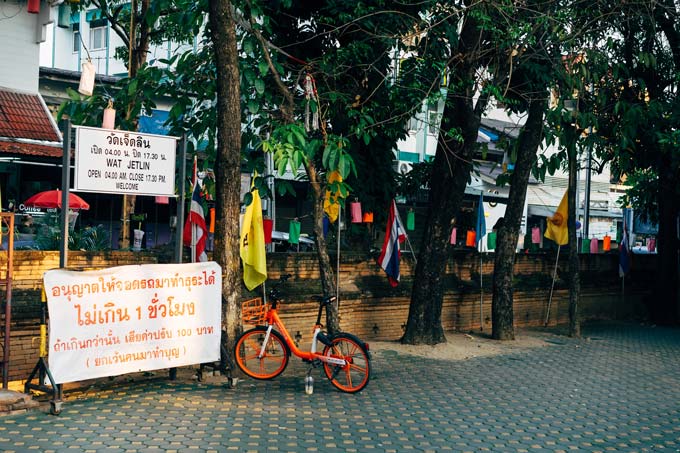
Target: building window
x=97, y=38
x=76, y=41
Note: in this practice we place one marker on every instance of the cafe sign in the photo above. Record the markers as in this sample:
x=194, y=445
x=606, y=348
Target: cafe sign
x=123, y=162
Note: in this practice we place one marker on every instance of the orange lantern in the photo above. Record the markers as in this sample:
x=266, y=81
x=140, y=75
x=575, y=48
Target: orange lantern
x=368, y=217
x=607, y=243
x=470, y=238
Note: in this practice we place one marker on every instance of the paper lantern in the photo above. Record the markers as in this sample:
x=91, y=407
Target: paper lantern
x=33, y=6
x=268, y=227
x=64, y=16
x=294, y=232
x=368, y=217
x=411, y=220
x=355, y=211
x=211, y=227
x=607, y=243
x=491, y=240
x=535, y=235
x=470, y=238
x=453, y=236
x=651, y=245
x=585, y=245
x=594, y=245
x=162, y=200
x=87, y=79
x=109, y=121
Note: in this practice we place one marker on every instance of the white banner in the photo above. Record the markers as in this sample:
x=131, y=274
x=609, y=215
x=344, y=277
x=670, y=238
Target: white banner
x=124, y=162
x=132, y=318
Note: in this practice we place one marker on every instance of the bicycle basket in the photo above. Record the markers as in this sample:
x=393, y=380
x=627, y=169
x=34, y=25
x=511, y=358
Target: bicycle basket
x=254, y=311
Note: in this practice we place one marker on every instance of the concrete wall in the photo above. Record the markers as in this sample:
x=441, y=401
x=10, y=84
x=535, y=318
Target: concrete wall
x=369, y=306
x=19, y=52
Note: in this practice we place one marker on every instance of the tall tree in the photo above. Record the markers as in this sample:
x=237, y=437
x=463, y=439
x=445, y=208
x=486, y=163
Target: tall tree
x=634, y=64
x=346, y=49
x=475, y=50
x=528, y=88
x=227, y=162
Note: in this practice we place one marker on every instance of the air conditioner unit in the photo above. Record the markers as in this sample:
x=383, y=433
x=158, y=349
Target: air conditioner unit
x=404, y=168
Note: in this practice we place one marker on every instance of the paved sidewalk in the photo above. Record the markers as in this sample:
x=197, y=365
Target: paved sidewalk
x=618, y=389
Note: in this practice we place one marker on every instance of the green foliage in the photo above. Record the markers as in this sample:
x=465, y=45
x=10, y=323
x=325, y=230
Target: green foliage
x=94, y=239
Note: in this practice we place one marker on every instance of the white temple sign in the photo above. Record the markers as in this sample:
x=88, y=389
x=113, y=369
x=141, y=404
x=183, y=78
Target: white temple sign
x=122, y=162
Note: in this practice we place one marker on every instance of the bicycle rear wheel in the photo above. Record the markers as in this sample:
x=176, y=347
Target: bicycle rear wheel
x=353, y=376
x=274, y=359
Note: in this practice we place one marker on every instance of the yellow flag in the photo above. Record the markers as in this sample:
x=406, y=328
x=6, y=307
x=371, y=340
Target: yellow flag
x=253, y=253
x=332, y=209
x=557, y=228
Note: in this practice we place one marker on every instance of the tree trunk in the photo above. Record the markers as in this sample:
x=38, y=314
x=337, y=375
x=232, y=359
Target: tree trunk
x=227, y=165
x=451, y=170
x=664, y=309
x=328, y=283
x=502, y=315
x=574, y=280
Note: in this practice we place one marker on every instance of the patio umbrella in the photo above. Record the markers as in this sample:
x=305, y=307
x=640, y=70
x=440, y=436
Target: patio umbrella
x=52, y=199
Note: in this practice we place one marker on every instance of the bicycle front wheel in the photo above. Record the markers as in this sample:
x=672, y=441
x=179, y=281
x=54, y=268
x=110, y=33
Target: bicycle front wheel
x=355, y=374
x=273, y=360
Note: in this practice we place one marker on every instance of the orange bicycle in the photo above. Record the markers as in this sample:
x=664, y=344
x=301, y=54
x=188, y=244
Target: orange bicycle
x=263, y=352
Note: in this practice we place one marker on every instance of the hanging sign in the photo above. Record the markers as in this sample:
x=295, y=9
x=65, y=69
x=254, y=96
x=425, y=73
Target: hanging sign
x=132, y=318
x=122, y=162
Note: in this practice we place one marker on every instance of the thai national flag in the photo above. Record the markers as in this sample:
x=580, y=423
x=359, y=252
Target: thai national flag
x=389, y=255
x=195, y=229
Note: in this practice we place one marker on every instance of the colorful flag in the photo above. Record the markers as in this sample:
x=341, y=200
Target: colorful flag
x=480, y=231
x=389, y=255
x=624, y=257
x=557, y=229
x=253, y=253
x=331, y=203
x=195, y=229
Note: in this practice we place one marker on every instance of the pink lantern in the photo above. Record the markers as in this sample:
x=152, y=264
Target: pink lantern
x=109, y=121
x=453, y=236
x=355, y=210
x=535, y=235
x=594, y=245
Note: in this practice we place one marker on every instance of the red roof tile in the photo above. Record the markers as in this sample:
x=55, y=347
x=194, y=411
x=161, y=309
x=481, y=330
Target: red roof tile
x=24, y=115
x=30, y=149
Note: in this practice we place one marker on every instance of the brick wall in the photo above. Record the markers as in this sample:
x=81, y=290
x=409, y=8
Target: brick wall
x=369, y=306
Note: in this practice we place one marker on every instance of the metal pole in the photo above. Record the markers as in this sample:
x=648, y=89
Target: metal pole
x=8, y=301
x=65, y=187
x=481, y=290
x=586, y=203
x=337, y=277
x=179, y=231
x=547, y=315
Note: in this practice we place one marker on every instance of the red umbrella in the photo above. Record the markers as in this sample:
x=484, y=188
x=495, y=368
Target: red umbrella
x=52, y=199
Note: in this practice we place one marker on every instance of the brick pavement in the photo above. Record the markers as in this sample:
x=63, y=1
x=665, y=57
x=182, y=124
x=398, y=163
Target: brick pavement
x=618, y=389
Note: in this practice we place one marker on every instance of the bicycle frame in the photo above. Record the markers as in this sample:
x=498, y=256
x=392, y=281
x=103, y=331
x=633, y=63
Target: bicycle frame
x=273, y=320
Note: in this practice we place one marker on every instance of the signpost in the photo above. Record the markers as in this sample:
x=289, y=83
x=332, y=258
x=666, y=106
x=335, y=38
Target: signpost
x=122, y=162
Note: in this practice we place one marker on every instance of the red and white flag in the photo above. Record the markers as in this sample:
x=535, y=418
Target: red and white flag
x=390, y=253
x=195, y=229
